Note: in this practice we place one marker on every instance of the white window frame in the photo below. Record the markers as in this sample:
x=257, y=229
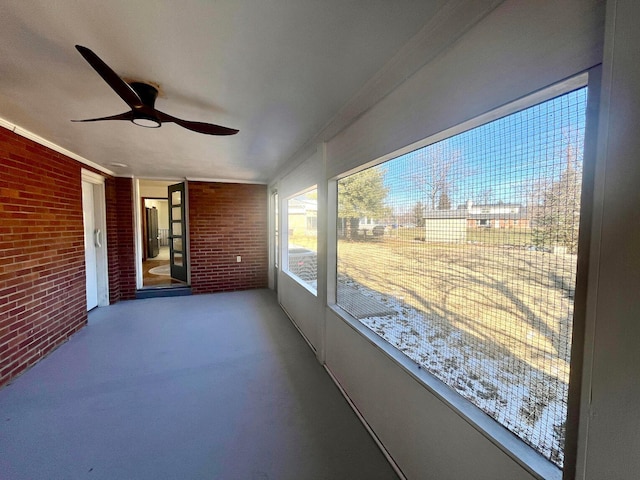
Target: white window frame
x=508, y=442
x=284, y=242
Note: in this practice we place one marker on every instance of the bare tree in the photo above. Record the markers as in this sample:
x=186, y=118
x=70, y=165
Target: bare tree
x=418, y=214
x=437, y=175
x=485, y=197
x=444, y=203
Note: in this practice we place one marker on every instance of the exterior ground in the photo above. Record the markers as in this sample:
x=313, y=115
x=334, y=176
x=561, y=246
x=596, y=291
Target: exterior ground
x=491, y=321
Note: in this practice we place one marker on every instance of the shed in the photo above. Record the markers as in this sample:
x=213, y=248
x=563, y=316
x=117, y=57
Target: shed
x=445, y=226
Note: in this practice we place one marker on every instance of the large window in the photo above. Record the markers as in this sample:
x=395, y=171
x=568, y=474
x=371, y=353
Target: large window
x=302, y=236
x=472, y=273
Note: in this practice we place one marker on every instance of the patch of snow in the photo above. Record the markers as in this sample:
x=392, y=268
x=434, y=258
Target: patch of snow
x=526, y=401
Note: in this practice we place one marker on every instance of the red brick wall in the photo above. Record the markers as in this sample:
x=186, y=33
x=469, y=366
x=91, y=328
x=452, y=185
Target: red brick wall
x=111, y=201
x=120, y=239
x=226, y=220
x=42, y=281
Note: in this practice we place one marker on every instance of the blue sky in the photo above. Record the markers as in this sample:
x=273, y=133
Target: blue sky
x=503, y=156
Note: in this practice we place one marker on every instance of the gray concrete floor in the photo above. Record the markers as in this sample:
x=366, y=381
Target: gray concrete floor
x=202, y=387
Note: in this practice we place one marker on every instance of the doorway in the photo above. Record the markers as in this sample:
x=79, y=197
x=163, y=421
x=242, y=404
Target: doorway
x=275, y=246
x=95, y=249
x=161, y=234
x=156, y=271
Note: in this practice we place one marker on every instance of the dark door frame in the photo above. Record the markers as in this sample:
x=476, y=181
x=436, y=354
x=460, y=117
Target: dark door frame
x=179, y=260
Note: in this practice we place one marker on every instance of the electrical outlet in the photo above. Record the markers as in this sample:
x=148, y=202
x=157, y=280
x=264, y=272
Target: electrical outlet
x=238, y=259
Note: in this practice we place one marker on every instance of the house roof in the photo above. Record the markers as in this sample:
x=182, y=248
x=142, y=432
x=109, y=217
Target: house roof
x=492, y=205
x=445, y=214
x=514, y=216
x=522, y=213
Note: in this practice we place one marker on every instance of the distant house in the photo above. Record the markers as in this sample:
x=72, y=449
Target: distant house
x=366, y=227
x=450, y=226
x=303, y=216
x=370, y=226
x=497, y=215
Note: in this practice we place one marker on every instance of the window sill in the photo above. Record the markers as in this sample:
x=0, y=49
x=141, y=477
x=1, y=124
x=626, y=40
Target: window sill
x=301, y=282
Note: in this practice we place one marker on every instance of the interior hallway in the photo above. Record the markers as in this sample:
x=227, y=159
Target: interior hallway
x=156, y=271
x=215, y=386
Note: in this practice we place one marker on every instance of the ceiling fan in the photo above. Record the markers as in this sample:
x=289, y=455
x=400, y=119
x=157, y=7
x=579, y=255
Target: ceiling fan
x=141, y=98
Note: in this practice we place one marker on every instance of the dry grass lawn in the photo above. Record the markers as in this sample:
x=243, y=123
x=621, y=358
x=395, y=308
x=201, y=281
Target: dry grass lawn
x=504, y=300
x=490, y=318
x=491, y=321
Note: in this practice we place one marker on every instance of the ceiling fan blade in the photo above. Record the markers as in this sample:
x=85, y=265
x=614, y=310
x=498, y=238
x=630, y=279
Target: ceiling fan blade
x=130, y=115
x=118, y=85
x=200, y=127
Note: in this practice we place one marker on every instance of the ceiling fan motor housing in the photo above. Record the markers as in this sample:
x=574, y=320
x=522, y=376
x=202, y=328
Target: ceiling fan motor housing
x=146, y=116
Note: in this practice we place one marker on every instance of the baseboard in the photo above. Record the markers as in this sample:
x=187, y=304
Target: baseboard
x=382, y=448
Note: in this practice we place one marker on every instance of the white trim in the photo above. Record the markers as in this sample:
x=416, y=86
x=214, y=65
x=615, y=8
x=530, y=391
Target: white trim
x=271, y=218
x=57, y=148
x=7, y=125
x=137, y=234
x=92, y=177
x=508, y=442
x=218, y=180
x=321, y=256
x=332, y=242
x=169, y=180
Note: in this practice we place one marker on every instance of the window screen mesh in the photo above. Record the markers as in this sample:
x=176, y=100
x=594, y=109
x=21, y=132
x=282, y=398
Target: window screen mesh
x=302, y=236
x=473, y=273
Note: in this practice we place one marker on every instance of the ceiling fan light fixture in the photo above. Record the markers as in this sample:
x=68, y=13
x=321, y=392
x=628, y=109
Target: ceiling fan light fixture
x=146, y=122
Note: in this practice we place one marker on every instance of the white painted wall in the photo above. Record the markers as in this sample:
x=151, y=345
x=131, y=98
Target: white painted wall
x=611, y=420
x=163, y=211
x=303, y=306
x=517, y=49
x=154, y=188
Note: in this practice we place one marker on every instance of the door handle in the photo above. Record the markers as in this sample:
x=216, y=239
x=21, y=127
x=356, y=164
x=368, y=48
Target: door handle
x=97, y=240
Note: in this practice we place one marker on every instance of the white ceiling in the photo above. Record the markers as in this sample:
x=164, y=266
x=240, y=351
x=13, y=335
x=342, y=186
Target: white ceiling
x=277, y=70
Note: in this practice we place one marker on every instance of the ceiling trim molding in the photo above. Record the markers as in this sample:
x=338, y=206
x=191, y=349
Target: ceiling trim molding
x=224, y=180
x=57, y=148
x=91, y=176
